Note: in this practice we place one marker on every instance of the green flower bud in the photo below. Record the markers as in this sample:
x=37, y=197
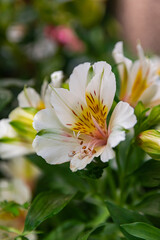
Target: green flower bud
x=149, y=141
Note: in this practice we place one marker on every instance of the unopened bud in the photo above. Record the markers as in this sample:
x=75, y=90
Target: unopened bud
x=149, y=141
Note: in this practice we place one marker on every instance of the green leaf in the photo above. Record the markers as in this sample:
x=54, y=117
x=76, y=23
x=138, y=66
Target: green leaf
x=68, y=230
x=5, y=98
x=146, y=122
x=150, y=205
x=15, y=82
x=94, y=170
x=9, y=229
x=122, y=216
x=154, y=116
x=45, y=205
x=102, y=231
x=12, y=207
x=85, y=235
x=65, y=86
x=24, y=129
x=21, y=238
x=142, y=230
x=152, y=120
x=140, y=111
x=149, y=173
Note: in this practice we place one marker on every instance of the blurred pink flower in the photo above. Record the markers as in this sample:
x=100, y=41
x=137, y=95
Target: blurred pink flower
x=65, y=36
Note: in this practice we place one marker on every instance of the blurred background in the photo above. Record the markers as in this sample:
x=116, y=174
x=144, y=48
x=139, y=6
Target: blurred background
x=38, y=37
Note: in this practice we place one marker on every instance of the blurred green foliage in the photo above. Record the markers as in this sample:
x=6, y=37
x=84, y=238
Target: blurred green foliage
x=28, y=54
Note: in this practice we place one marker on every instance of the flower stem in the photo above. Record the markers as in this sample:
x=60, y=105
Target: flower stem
x=123, y=185
x=111, y=183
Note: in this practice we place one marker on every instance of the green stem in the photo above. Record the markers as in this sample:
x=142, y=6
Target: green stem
x=111, y=183
x=118, y=161
x=123, y=187
x=127, y=157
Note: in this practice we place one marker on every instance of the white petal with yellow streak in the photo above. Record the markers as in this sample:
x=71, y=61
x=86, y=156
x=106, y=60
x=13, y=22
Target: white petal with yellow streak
x=120, y=59
x=149, y=94
x=67, y=106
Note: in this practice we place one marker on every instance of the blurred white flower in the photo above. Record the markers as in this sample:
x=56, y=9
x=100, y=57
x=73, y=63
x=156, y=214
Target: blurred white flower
x=11, y=144
x=41, y=49
x=30, y=98
x=138, y=79
x=21, y=168
x=17, y=132
x=15, y=190
x=15, y=33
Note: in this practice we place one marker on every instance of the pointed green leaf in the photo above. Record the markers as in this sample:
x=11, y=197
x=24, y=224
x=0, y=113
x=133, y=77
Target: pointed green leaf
x=121, y=216
x=142, y=230
x=85, y=235
x=45, y=205
x=68, y=230
x=150, y=205
x=149, y=173
x=5, y=98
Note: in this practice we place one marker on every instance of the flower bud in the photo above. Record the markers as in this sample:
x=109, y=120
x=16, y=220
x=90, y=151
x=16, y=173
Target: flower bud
x=149, y=141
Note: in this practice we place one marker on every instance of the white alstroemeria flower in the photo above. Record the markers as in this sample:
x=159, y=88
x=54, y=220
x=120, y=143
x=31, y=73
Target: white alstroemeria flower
x=30, y=98
x=76, y=129
x=15, y=190
x=21, y=168
x=17, y=133
x=138, y=79
x=11, y=144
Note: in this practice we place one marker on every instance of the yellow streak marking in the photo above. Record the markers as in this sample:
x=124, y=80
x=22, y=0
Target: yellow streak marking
x=139, y=86
x=124, y=82
x=40, y=105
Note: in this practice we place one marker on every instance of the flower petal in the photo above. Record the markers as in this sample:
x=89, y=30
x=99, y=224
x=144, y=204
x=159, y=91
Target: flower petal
x=54, y=147
x=78, y=79
x=108, y=89
x=71, y=111
x=15, y=190
x=29, y=98
x=122, y=118
x=79, y=164
x=62, y=101
x=100, y=67
x=120, y=59
x=15, y=149
x=107, y=154
x=56, y=79
x=99, y=96
x=149, y=94
x=46, y=118
x=6, y=129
